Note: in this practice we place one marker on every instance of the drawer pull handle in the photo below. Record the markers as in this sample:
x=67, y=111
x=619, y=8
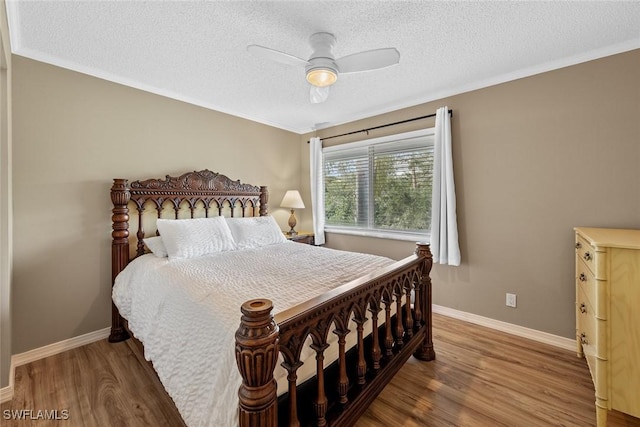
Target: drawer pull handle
x=578, y=245
x=583, y=277
x=586, y=256
x=583, y=308
x=583, y=339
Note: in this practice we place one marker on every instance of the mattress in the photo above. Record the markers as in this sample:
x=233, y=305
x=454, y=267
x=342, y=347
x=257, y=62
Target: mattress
x=186, y=312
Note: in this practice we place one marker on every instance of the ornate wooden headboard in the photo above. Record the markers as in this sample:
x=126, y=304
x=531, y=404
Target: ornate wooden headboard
x=198, y=189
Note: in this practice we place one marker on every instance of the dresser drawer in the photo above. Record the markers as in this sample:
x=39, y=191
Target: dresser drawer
x=586, y=320
x=586, y=282
x=586, y=332
x=585, y=335
x=586, y=252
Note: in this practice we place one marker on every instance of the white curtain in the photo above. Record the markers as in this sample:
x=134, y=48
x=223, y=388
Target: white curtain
x=444, y=223
x=317, y=189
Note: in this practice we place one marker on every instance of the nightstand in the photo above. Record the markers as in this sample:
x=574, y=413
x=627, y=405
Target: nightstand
x=301, y=237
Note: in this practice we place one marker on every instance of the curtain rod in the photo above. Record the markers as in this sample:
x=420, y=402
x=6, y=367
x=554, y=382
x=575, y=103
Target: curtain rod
x=384, y=126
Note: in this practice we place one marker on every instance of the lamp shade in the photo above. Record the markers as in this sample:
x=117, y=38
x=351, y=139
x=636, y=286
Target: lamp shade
x=292, y=200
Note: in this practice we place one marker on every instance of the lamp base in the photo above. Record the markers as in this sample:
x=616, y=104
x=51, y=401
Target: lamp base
x=292, y=224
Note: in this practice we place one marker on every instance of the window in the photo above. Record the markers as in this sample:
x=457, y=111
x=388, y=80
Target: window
x=380, y=187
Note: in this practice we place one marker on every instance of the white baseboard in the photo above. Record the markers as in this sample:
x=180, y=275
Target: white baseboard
x=6, y=393
x=59, y=347
x=510, y=328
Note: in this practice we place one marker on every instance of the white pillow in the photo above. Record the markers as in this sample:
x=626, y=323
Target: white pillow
x=254, y=232
x=189, y=238
x=156, y=246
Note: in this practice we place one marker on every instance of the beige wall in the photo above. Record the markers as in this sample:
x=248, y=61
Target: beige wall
x=533, y=158
x=5, y=199
x=72, y=135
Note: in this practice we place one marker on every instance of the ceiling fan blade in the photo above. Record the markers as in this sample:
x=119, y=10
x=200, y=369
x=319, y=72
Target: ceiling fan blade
x=368, y=60
x=276, y=55
x=318, y=94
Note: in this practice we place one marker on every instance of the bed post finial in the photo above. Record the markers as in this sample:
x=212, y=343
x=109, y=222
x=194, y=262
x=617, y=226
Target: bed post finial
x=120, y=196
x=257, y=356
x=423, y=289
x=264, y=200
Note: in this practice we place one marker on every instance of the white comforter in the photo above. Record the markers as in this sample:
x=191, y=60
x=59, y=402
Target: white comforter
x=186, y=313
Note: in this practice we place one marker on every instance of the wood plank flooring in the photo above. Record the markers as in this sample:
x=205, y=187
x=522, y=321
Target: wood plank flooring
x=481, y=377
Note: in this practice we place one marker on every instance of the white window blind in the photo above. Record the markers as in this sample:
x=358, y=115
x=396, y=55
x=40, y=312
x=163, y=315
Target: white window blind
x=380, y=186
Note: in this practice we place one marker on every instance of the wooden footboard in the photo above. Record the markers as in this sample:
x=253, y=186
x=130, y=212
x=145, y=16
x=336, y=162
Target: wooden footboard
x=340, y=399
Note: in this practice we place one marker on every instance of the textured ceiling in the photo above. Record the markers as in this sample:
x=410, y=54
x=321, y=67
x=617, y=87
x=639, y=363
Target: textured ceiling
x=195, y=51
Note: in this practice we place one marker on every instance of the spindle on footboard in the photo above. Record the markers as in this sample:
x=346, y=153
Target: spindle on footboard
x=342, y=392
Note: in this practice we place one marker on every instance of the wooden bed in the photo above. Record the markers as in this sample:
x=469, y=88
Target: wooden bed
x=339, y=393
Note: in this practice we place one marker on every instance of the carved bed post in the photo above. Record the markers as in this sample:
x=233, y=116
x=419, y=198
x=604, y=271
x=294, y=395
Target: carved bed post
x=425, y=351
x=119, y=249
x=264, y=200
x=257, y=355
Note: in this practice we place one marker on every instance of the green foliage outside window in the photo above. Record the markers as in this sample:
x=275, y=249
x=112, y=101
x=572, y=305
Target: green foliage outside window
x=402, y=195
x=341, y=201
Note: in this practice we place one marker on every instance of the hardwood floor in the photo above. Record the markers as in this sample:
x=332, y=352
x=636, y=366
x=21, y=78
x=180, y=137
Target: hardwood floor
x=481, y=377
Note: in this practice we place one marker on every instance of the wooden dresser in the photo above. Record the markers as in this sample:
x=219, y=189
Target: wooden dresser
x=608, y=316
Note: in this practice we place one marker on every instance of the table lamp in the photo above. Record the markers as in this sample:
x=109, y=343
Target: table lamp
x=292, y=200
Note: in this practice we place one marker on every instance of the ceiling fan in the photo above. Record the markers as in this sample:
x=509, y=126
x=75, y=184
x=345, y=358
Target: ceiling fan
x=322, y=69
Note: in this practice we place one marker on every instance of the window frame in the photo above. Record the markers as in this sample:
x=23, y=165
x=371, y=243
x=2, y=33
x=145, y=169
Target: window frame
x=370, y=231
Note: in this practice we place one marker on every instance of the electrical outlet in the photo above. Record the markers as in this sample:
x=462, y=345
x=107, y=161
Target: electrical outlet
x=511, y=300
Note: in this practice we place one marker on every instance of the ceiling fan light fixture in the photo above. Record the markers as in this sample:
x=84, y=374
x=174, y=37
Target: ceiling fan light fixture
x=322, y=77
